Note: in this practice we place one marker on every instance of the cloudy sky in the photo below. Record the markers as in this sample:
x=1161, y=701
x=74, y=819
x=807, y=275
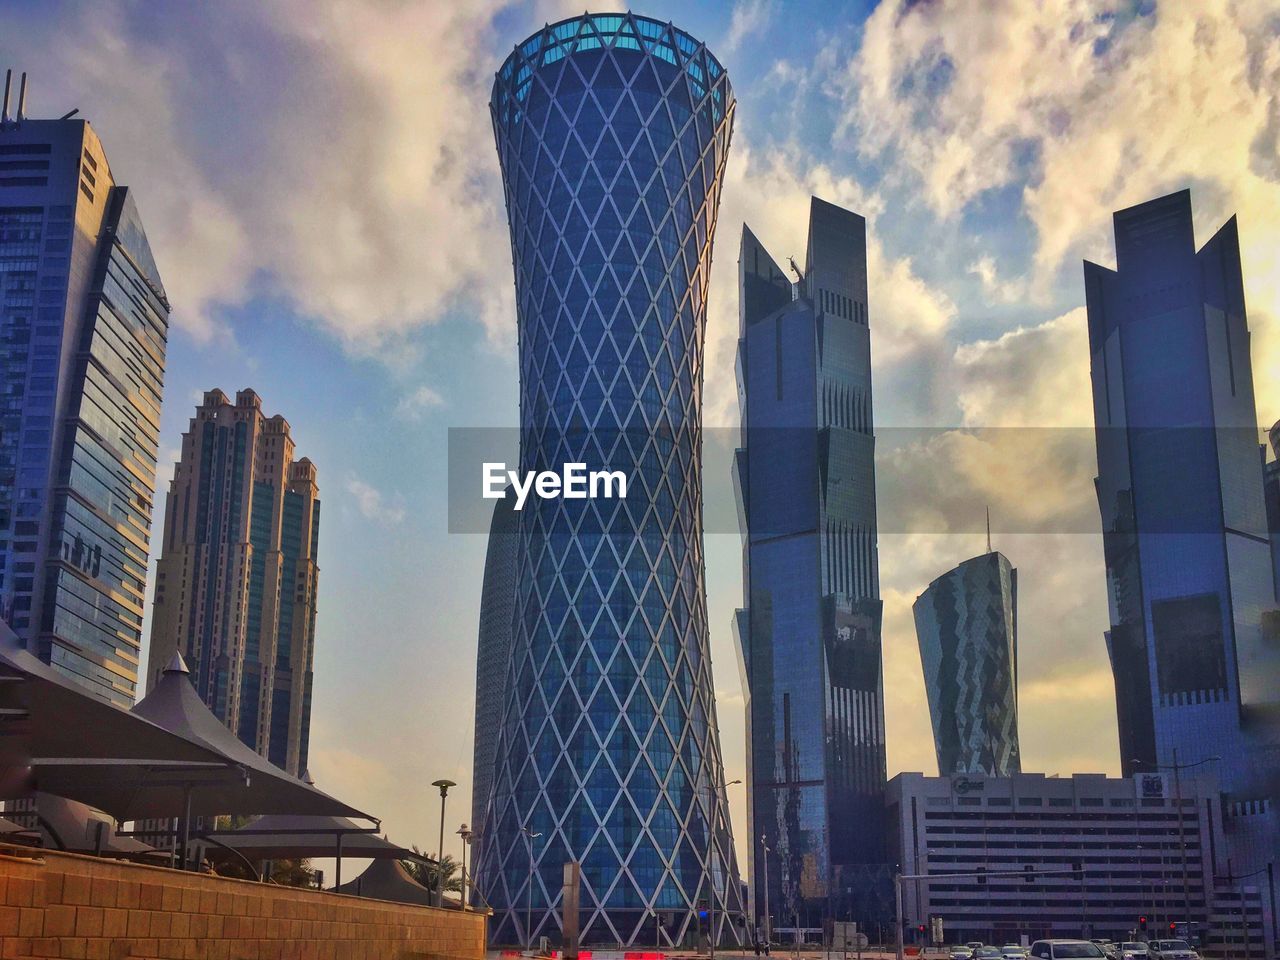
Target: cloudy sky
x=321, y=191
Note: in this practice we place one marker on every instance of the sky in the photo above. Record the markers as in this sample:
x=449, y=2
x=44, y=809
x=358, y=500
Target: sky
x=321, y=192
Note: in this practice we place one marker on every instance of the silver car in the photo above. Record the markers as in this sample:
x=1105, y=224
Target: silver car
x=1131, y=950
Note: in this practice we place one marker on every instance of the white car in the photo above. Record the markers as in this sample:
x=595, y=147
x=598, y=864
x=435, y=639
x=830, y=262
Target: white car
x=1171, y=950
x=1066, y=950
x=1013, y=951
x=1131, y=950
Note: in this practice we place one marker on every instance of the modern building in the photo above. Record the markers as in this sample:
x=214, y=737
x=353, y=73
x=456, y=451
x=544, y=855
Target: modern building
x=83, y=330
x=237, y=578
x=493, y=653
x=612, y=132
x=967, y=627
x=1118, y=858
x=809, y=634
x=1187, y=548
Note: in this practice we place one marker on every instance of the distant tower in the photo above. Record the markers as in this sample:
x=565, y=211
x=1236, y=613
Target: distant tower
x=809, y=634
x=237, y=578
x=967, y=627
x=493, y=653
x=84, y=325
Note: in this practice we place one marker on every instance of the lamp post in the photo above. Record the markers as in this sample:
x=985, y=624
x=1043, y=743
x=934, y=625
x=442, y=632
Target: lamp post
x=768, y=926
x=465, y=833
x=529, y=836
x=711, y=902
x=444, y=786
x=1177, y=769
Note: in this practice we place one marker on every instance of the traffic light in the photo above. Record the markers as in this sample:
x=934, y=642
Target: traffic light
x=921, y=928
x=1172, y=926
x=1142, y=923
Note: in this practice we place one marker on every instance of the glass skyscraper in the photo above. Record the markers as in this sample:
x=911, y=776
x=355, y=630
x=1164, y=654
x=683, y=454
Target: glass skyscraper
x=83, y=332
x=612, y=132
x=1180, y=490
x=967, y=627
x=809, y=635
x=237, y=580
x=493, y=652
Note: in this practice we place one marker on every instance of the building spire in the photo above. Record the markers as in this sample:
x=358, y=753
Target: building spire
x=988, y=529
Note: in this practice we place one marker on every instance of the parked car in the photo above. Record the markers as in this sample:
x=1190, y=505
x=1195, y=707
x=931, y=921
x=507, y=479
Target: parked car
x=960, y=952
x=1171, y=950
x=1066, y=950
x=1131, y=950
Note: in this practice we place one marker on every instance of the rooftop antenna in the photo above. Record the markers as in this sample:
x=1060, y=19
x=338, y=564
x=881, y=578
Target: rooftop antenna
x=22, y=98
x=4, y=111
x=988, y=529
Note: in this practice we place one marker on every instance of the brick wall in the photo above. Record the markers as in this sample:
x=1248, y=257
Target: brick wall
x=64, y=905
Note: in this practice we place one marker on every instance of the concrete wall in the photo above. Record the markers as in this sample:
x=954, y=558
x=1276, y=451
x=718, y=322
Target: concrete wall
x=64, y=905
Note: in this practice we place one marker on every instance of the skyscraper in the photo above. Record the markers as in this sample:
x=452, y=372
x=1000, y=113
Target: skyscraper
x=237, y=578
x=612, y=132
x=493, y=652
x=809, y=635
x=967, y=627
x=1180, y=490
x=83, y=329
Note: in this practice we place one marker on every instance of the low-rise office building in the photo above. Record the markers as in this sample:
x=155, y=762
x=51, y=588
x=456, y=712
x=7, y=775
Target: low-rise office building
x=1083, y=856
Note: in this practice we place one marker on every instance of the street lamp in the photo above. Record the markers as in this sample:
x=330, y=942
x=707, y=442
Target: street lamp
x=768, y=926
x=444, y=786
x=465, y=833
x=530, y=836
x=711, y=902
x=1177, y=769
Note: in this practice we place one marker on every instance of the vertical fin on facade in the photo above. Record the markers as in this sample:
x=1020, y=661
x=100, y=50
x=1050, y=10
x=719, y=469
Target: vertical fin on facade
x=763, y=285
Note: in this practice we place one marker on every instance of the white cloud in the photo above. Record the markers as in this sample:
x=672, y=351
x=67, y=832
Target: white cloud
x=1089, y=109
x=336, y=154
x=372, y=504
x=994, y=288
x=414, y=405
x=749, y=18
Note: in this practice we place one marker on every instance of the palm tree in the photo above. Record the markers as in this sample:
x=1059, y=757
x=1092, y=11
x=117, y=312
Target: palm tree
x=426, y=873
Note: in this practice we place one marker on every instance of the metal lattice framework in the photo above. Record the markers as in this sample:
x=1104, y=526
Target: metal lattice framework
x=612, y=133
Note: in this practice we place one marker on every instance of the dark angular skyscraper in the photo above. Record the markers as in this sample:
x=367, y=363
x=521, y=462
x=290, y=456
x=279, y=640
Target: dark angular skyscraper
x=83, y=331
x=1180, y=489
x=612, y=132
x=967, y=627
x=809, y=635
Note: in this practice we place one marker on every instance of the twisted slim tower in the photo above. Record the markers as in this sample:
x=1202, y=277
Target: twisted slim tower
x=612, y=133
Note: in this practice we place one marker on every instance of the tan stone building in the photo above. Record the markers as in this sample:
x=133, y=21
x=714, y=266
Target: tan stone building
x=236, y=583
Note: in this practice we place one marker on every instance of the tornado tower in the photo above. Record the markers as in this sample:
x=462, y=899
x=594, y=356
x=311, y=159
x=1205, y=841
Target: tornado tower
x=612, y=132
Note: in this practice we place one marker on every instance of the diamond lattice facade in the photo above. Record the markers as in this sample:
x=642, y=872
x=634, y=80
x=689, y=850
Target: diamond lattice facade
x=967, y=626
x=612, y=132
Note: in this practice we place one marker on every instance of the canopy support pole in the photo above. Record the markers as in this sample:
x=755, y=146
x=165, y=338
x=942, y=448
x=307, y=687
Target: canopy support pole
x=338, y=861
x=186, y=827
